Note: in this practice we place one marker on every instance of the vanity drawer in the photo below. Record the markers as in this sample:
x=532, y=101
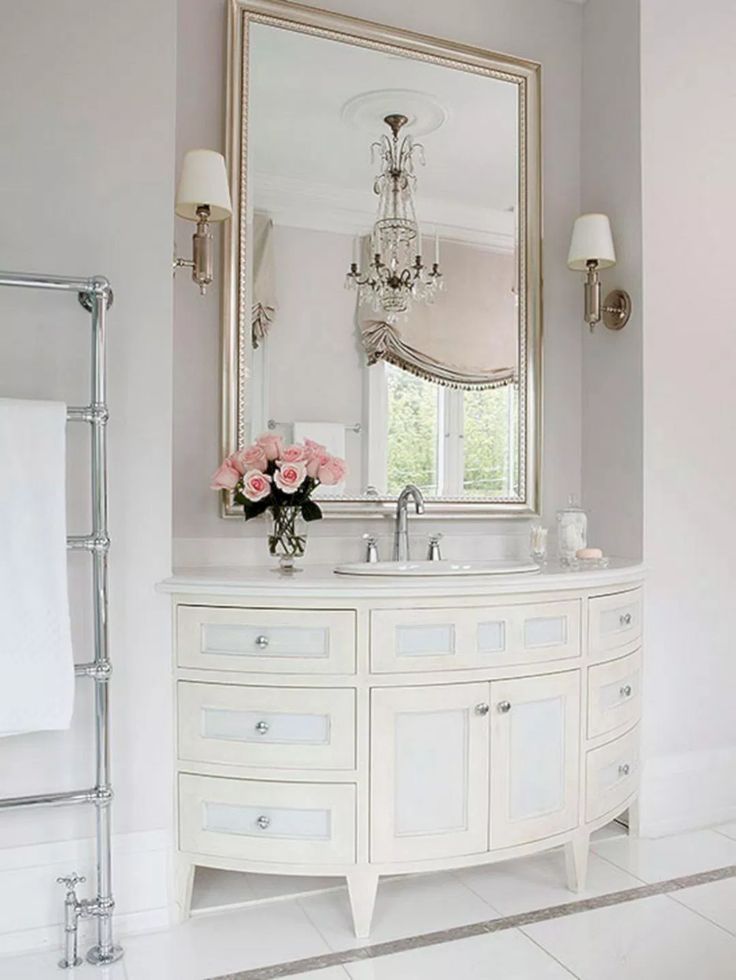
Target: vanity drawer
x=612, y=774
x=273, y=641
x=282, y=728
x=614, y=694
x=614, y=621
x=287, y=823
x=411, y=640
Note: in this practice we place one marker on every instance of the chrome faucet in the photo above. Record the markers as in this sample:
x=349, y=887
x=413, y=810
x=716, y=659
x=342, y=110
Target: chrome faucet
x=401, y=534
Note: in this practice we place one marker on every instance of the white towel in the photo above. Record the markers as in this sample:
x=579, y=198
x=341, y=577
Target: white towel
x=36, y=663
x=331, y=435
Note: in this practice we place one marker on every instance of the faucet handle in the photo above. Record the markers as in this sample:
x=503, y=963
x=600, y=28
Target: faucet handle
x=434, y=553
x=371, y=552
x=71, y=881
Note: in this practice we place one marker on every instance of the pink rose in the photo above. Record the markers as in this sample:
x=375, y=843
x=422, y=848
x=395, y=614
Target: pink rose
x=332, y=471
x=226, y=476
x=314, y=447
x=271, y=445
x=290, y=476
x=294, y=454
x=316, y=456
x=252, y=458
x=256, y=485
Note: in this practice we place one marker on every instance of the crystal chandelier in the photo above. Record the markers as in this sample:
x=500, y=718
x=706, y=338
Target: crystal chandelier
x=396, y=275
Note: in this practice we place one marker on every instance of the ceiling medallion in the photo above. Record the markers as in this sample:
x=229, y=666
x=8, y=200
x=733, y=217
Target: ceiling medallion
x=424, y=113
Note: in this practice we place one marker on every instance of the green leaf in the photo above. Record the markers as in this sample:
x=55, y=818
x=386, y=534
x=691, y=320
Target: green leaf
x=311, y=511
x=251, y=510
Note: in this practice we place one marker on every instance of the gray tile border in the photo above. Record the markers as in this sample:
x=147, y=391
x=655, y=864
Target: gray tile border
x=313, y=963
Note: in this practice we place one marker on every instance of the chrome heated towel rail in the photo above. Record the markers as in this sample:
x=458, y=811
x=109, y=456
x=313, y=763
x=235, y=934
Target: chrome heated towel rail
x=95, y=295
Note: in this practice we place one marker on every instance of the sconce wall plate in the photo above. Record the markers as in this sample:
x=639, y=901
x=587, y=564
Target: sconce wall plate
x=616, y=309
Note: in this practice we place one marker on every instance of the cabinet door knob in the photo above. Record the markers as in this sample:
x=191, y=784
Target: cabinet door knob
x=504, y=707
x=625, y=619
x=264, y=822
x=262, y=727
x=482, y=708
x=625, y=691
x=624, y=769
x=262, y=642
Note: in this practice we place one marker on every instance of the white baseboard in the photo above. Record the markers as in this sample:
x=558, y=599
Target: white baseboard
x=690, y=791
x=31, y=902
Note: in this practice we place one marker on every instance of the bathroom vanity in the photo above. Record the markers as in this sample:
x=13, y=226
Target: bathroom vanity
x=359, y=727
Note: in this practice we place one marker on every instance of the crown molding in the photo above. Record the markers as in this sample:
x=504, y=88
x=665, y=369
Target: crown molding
x=310, y=205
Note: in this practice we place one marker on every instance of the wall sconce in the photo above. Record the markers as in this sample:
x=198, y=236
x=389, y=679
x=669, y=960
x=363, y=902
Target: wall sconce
x=591, y=249
x=204, y=197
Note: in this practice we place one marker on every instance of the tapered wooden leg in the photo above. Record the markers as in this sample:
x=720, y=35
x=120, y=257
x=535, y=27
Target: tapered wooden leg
x=362, y=887
x=183, y=884
x=576, y=861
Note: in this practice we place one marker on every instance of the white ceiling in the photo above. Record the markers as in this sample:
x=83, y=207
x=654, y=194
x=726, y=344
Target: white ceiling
x=303, y=149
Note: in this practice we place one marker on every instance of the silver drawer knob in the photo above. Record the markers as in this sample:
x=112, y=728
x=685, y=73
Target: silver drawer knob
x=262, y=727
x=482, y=708
x=262, y=642
x=625, y=691
x=504, y=707
x=625, y=619
x=264, y=822
x=624, y=769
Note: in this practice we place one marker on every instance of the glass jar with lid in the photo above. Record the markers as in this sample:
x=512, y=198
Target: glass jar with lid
x=572, y=530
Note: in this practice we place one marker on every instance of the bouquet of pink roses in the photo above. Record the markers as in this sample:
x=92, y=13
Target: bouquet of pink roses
x=271, y=475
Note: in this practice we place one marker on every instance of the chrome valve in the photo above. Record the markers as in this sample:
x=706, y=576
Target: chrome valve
x=434, y=553
x=73, y=908
x=371, y=548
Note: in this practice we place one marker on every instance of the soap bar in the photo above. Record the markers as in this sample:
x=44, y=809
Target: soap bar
x=588, y=553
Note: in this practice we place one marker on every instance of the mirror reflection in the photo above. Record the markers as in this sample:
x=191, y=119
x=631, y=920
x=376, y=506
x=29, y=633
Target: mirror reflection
x=382, y=265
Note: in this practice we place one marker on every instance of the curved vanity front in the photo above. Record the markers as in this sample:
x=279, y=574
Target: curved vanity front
x=363, y=727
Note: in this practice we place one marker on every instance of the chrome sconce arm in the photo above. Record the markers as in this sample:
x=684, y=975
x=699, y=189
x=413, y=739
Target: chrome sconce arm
x=202, y=261
x=616, y=309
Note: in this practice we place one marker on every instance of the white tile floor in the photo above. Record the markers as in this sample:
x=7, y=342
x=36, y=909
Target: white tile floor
x=687, y=934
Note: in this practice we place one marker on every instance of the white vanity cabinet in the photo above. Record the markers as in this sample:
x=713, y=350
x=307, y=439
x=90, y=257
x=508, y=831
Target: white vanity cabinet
x=360, y=728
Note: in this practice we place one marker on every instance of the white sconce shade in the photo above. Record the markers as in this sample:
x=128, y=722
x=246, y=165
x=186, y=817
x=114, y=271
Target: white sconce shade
x=592, y=241
x=203, y=182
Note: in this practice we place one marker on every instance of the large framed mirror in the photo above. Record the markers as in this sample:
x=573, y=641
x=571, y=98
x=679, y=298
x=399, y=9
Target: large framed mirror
x=383, y=281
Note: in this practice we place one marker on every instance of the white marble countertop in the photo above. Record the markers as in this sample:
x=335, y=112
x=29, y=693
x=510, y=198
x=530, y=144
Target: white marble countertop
x=321, y=581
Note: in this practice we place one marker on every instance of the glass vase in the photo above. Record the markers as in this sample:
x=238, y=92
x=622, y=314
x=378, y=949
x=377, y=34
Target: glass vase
x=287, y=537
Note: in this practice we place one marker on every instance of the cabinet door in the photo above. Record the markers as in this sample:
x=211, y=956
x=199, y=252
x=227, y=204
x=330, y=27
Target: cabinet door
x=429, y=771
x=535, y=752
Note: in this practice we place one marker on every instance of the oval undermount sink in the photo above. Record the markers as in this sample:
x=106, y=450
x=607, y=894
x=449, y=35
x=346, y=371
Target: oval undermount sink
x=431, y=569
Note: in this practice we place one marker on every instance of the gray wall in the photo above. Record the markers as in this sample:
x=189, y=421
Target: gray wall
x=86, y=181
x=689, y=200
x=612, y=360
